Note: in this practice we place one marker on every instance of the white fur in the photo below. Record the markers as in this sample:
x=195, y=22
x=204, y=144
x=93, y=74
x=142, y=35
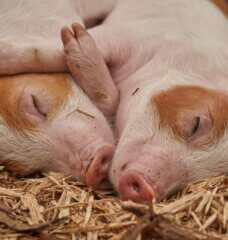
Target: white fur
x=169, y=43
x=30, y=31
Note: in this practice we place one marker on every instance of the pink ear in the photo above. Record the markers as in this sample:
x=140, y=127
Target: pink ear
x=89, y=69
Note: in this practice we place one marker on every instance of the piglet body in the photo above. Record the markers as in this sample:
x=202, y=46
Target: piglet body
x=29, y=32
x=169, y=61
x=47, y=122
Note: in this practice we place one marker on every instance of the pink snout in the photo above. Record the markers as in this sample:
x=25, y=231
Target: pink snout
x=132, y=186
x=98, y=169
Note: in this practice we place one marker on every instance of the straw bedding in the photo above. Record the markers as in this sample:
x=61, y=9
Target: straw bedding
x=53, y=207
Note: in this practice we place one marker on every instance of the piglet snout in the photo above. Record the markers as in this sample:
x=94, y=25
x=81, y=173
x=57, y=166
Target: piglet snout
x=132, y=186
x=98, y=169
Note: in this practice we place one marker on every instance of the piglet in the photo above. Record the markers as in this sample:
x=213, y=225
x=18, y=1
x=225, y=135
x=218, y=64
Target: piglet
x=169, y=61
x=47, y=122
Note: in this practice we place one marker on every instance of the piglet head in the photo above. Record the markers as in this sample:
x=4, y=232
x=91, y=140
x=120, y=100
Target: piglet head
x=178, y=136
x=48, y=123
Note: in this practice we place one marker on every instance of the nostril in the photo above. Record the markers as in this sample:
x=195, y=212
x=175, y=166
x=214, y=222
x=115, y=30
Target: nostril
x=136, y=187
x=98, y=169
x=104, y=161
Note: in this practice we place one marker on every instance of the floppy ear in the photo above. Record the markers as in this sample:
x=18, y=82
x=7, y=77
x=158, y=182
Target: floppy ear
x=89, y=69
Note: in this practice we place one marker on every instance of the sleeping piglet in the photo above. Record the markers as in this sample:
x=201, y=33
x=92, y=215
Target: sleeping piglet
x=46, y=121
x=169, y=60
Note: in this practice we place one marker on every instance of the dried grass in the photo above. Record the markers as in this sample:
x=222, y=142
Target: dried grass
x=53, y=207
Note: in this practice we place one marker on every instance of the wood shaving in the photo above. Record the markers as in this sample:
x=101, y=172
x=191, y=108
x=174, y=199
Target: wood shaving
x=53, y=207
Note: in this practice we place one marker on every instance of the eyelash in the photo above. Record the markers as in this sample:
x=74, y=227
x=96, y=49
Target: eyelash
x=36, y=105
x=196, y=125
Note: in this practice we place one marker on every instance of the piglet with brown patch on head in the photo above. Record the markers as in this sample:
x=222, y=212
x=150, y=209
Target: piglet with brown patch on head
x=48, y=123
x=169, y=60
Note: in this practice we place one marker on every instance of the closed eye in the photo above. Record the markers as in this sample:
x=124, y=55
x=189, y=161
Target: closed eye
x=196, y=125
x=38, y=106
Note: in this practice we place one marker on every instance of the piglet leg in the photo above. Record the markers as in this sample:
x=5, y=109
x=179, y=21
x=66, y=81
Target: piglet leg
x=36, y=57
x=89, y=69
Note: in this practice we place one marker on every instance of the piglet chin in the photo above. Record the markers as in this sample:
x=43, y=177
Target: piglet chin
x=98, y=169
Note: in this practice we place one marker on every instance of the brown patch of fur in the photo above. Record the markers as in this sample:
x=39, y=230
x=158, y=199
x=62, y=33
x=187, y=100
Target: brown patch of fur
x=11, y=88
x=172, y=104
x=223, y=5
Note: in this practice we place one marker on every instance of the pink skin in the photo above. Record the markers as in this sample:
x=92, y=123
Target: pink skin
x=144, y=166
x=79, y=145
x=25, y=47
x=152, y=54
x=85, y=59
x=131, y=176
x=136, y=173
x=84, y=50
x=84, y=154
x=132, y=186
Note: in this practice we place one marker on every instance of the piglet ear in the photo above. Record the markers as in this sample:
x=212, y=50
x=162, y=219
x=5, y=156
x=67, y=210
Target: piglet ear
x=89, y=69
x=198, y=130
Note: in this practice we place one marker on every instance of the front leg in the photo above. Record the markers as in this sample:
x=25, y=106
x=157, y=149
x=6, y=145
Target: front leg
x=42, y=57
x=89, y=69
